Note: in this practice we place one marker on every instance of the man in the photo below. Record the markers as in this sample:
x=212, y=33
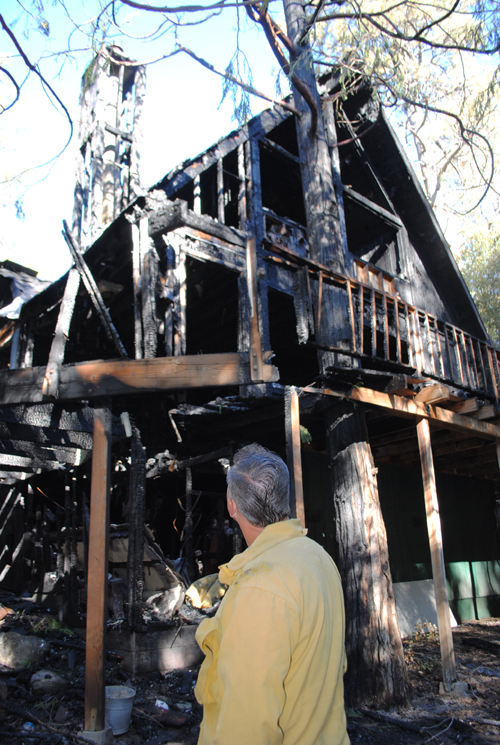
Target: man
x=274, y=651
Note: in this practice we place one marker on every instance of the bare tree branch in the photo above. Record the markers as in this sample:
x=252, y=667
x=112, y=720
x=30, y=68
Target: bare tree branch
x=16, y=86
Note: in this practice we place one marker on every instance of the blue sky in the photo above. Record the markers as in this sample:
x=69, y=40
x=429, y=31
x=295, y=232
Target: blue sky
x=182, y=116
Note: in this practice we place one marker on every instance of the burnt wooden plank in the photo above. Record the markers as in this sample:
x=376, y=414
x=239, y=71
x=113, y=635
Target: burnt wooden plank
x=40, y=453
x=90, y=379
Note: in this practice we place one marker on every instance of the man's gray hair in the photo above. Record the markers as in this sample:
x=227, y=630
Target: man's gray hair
x=259, y=483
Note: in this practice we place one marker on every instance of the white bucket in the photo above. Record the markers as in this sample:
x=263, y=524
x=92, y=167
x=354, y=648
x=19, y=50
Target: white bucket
x=119, y=700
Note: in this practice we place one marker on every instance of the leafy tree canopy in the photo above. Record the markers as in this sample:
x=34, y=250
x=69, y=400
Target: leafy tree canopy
x=479, y=261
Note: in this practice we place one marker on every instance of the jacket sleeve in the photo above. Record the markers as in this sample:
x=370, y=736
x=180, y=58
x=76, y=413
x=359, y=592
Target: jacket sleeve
x=254, y=658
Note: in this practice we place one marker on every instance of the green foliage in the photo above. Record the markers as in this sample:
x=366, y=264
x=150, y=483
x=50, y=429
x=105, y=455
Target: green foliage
x=479, y=261
x=238, y=67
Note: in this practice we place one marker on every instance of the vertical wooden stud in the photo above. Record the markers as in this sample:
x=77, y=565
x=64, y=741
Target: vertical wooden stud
x=351, y=314
x=242, y=191
x=437, y=556
x=137, y=233
x=220, y=191
x=197, y=194
x=256, y=362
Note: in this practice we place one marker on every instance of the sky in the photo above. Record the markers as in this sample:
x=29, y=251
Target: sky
x=181, y=118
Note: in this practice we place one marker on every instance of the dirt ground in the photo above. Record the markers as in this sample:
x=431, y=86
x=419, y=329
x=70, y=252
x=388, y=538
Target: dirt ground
x=472, y=719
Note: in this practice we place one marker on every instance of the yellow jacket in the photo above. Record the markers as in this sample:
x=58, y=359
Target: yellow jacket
x=274, y=651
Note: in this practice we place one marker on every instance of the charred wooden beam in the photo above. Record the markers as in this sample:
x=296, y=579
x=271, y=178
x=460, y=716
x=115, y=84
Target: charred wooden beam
x=388, y=217
x=205, y=458
x=50, y=384
x=91, y=379
x=57, y=438
x=173, y=215
x=40, y=453
x=278, y=150
x=408, y=408
x=78, y=419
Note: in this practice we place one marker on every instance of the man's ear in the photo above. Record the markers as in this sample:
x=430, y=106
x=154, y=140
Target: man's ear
x=231, y=507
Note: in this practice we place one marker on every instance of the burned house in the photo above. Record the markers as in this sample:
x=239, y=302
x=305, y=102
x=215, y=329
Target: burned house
x=198, y=318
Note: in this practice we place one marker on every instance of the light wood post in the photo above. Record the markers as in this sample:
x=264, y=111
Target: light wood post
x=97, y=583
x=437, y=556
x=292, y=425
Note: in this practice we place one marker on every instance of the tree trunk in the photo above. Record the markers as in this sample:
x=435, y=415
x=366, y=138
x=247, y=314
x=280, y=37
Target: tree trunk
x=323, y=227
x=376, y=674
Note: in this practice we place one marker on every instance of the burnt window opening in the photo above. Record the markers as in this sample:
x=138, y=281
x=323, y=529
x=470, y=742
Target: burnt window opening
x=232, y=185
x=185, y=193
x=297, y=363
x=282, y=186
x=211, y=308
x=285, y=135
x=208, y=192
x=357, y=175
x=372, y=239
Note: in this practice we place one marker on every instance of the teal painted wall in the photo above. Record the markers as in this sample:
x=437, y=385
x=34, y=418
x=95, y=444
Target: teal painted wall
x=469, y=537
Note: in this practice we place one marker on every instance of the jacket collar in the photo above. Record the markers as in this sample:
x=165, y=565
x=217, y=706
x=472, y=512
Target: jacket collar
x=271, y=536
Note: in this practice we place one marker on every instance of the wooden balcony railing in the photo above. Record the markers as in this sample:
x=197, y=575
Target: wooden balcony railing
x=388, y=330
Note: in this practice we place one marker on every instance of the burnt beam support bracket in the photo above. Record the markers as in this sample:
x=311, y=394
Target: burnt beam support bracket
x=97, y=600
x=437, y=556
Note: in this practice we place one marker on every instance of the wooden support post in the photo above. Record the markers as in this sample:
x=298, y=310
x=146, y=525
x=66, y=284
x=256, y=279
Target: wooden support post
x=97, y=583
x=437, y=556
x=293, y=456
